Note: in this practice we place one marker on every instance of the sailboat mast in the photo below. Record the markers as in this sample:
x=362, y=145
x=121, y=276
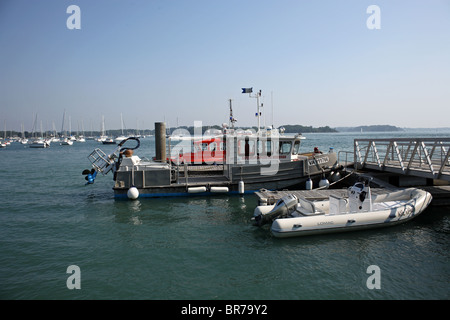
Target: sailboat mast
x=271, y=98
x=121, y=122
x=62, y=125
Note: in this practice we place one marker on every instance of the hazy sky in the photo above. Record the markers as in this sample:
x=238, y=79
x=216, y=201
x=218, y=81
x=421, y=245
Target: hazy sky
x=181, y=60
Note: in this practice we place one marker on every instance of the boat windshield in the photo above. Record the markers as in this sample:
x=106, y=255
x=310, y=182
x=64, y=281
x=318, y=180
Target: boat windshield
x=285, y=147
x=296, y=147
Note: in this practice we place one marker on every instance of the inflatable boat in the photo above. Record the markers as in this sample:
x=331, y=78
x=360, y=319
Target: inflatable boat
x=295, y=216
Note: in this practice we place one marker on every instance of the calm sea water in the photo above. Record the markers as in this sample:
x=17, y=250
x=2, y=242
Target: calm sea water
x=193, y=248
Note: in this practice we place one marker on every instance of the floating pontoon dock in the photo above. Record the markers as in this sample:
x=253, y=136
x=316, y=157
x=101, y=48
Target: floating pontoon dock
x=420, y=162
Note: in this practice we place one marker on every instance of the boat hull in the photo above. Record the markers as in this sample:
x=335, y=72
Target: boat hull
x=39, y=145
x=332, y=223
x=207, y=189
x=245, y=171
x=168, y=182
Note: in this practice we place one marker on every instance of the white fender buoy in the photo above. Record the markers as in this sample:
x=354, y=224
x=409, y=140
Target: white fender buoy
x=309, y=184
x=241, y=187
x=219, y=189
x=133, y=193
x=196, y=189
x=335, y=176
x=324, y=183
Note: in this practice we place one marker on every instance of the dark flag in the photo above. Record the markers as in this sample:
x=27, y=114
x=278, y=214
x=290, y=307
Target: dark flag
x=247, y=90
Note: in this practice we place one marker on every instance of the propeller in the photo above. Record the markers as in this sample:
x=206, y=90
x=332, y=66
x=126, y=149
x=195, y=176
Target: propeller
x=90, y=175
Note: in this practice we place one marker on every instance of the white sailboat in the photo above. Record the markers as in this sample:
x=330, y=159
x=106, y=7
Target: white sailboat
x=4, y=143
x=39, y=142
x=5, y=140
x=71, y=137
x=23, y=140
x=120, y=138
x=65, y=140
x=103, y=136
x=80, y=138
x=54, y=138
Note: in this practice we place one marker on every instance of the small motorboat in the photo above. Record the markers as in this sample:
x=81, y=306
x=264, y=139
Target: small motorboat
x=108, y=141
x=295, y=216
x=40, y=143
x=66, y=142
x=119, y=139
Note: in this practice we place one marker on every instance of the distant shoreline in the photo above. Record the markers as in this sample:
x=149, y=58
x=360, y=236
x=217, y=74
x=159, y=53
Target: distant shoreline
x=288, y=129
x=373, y=128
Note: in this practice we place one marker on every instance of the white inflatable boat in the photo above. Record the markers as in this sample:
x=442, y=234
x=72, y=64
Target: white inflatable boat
x=293, y=216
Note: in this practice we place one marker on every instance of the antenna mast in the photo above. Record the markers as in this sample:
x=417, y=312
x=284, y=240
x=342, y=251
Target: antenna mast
x=232, y=119
x=258, y=105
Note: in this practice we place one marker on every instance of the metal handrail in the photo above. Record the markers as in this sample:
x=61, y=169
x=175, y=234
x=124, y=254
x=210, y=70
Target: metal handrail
x=406, y=155
x=346, y=157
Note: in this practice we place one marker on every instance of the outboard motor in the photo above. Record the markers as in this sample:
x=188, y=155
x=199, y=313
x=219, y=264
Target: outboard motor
x=282, y=208
x=359, y=196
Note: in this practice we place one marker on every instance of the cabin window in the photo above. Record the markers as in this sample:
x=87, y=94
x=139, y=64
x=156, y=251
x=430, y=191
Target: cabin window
x=285, y=147
x=265, y=147
x=213, y=146
x=246, y=147
x=296, y=147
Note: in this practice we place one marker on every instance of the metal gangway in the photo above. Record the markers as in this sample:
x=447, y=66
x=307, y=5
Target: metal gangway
x=421, y=157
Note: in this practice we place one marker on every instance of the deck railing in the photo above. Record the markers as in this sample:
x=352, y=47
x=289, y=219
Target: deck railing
x=423, y=157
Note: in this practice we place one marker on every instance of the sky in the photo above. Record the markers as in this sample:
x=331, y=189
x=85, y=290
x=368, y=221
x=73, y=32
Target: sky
x=317, y=63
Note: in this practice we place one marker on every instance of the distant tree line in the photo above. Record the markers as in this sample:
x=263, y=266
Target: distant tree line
x=288, y=129
x=373, y=128
x=306, y=129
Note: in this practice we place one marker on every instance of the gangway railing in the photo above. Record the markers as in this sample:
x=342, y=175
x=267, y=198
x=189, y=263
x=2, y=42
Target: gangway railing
x=422, y=157
x=343, y=158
